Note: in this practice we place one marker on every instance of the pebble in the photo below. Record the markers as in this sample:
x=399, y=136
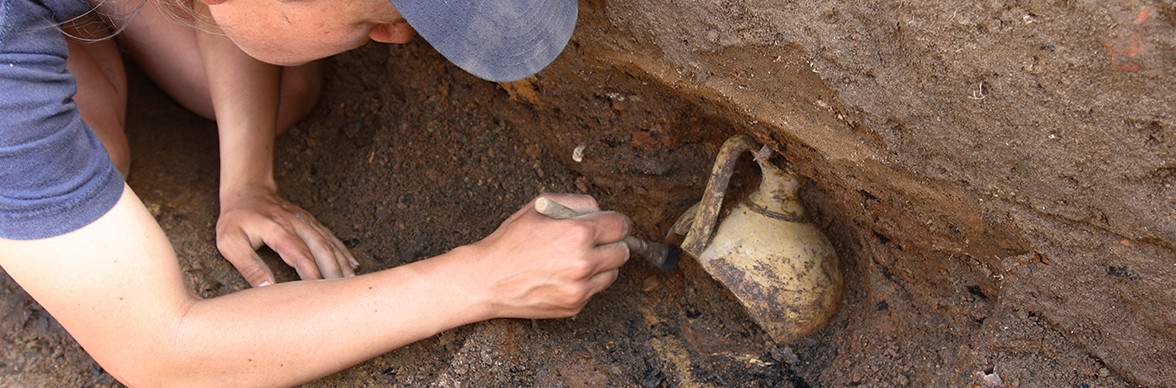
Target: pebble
x=534, y=151
x=650, y=283
x=578, y=153
x=785, y=354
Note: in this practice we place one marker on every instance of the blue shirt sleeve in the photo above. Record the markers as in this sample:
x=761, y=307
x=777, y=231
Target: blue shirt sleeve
x=55, y=176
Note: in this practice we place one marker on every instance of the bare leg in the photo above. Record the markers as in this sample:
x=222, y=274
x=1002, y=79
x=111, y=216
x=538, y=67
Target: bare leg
x=102, y=89
x=167, y=51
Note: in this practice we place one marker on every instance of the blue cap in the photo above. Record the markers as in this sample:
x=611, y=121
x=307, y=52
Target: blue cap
x=496, y=40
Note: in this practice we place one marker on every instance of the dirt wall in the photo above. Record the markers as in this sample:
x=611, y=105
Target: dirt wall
x=999, y=174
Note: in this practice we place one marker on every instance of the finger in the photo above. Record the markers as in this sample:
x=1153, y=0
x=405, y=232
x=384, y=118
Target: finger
x=321, y=250
x=601, y=281
x=610, y=256
x=350, y=257
x=342, y=255
x=292, y=250
x=341, y=250
x=579, y=202
x=238, y=251
x=344, y=265
x=347, y=261
x=607, y=226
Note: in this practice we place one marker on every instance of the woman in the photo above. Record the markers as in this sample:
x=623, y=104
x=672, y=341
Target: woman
x=80, y=242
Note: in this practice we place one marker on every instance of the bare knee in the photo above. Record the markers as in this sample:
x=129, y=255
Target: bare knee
x=101, y=95
x=122, y=162
x=301, y=87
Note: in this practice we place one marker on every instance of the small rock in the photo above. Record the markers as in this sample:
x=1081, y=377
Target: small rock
x=785, y=354
x=650, y=283
x=578, y=153
x=1103, y=372
x=990, y=379
x=582, y=184
x=534, y=151
x=447, y=337
x=152, y=208
x=712, y=36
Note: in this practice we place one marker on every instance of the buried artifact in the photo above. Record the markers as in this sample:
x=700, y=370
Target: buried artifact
x=779, y=266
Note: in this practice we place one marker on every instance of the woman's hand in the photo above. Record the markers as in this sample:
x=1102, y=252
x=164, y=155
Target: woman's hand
x=245, y=97
x=537, y=267
x=251, y=217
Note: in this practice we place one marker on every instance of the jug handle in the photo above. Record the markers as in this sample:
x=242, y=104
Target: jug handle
x=703, y=228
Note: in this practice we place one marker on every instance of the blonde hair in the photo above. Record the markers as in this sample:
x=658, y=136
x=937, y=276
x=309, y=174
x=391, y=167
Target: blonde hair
x=98, y=23
x=95, y=25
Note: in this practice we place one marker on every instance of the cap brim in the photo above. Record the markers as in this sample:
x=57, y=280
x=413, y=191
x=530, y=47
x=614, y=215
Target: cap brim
x=496, y=40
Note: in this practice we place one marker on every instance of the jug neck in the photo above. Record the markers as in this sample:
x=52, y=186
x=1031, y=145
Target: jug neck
x=777, y=195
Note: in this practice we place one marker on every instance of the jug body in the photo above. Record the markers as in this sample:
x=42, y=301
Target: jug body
x=764, y=249
x=783, y=270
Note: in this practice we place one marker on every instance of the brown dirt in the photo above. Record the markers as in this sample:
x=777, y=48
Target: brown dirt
x=986, y=241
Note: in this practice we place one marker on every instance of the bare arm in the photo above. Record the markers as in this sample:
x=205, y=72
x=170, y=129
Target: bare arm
x=245, y=95
x=115, y=285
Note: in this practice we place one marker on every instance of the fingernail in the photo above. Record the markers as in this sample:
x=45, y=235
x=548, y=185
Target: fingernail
x=354, y=264
x=265, y=283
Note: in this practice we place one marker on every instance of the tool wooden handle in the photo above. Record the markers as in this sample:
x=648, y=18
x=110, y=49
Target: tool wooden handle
x=558, y=211
x=660, y=255
x=547, y=207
